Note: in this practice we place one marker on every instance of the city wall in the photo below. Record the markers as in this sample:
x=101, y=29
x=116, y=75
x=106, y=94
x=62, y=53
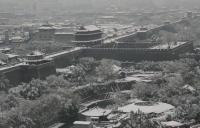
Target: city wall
x=67, y=58
x=128, y=45
x=128, y=52
x=13, y=74
x=25, y=73
x=131, y=38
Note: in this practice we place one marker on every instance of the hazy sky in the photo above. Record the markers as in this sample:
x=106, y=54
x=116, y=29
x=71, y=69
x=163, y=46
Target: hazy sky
x=27, y=5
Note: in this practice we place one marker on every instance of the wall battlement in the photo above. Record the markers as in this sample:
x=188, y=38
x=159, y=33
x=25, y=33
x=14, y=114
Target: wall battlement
x=137, y=54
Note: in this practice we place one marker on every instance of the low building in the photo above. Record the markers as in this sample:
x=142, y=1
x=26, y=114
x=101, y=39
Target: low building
x=96, y=115
x=83, y=124
x=17, y=39
x=13, y=58
x=8, y=58
x=64, y=37
x=5, y=50
x=174, y=124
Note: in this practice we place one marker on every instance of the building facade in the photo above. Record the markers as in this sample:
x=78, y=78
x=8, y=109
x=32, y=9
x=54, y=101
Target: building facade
x=46, y=33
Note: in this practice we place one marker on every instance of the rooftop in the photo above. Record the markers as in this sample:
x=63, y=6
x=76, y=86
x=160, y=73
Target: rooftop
x=46, y=27
x=35, y=53
x=96, y=112
x=5, y=49
x=89, y=28
x=107, y=17
x=12, y=55
x=82, y=123
x=172, y=124
x=140, y=77
x=157, y=108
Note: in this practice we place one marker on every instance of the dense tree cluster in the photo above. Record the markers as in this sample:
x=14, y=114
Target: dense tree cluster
x=31, y=104
x=178, y=85
x=140, y=120
x=39, y=104
x=89, y=70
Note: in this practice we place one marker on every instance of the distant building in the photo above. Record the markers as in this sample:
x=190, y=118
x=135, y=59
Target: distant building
x=6, y=37
x=88, y=36
x=96, y=115
x=12, y=58
x=6, y=58
x=147, y=108
x=142, y=33
x=17, y=39
x=35, y=58
x=65, y=37
x=4, y=21
x=189, y=15
x=46, y=33
x=5, y=50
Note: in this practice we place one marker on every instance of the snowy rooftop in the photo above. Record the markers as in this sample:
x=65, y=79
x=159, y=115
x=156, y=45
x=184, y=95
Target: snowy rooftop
x=107, y=17
x=36, y=53
x=62, y=33
x=63, y=70
x=172, y=124
x=46, y=28
x=57, y=125
x=82, y=123
x=147, y=109
x=12, y=55
x=90, y=28
x=96, y=112
x=5, y=49
x=166, y=46
x=140, y=77
x=63, y=52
